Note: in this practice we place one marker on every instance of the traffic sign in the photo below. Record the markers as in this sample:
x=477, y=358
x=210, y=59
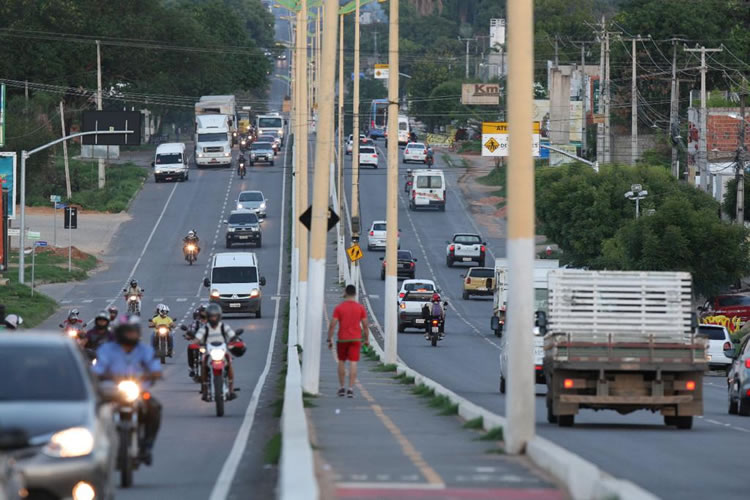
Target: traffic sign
x=495, y=139
x=381, y=71
x=55, y=198
x=71, y=218
x=33, y=235
x=14, y=232
x=354, y=252
x=306, y=218
x=40, y=244
x=60, y=206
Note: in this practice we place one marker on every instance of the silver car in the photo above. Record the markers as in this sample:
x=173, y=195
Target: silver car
x=253, y=201
x=48, y=394
x=738, y=380
x=261, y=151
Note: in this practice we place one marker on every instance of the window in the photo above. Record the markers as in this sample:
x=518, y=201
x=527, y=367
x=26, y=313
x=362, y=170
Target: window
x=213, y=137
x=467, y=239
x=367, y=151
x=169, y=158
x=235, y=275
x=404, y=255
x=270, y=123
x=260, y=146
x=415, y=147
x=429, y=182
x=378, y=226
x=411, y=287
x=40, y=373
x=481, y=272
x=734, y=300
x=251, y=196
x=711, y=332
x=403, y=126
x=248, y=218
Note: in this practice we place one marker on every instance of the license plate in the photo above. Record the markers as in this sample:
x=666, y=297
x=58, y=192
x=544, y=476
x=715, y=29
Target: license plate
x=244, y=237
x=235, y=304
x=419, y=321
x=466, y=259
x=214, y=160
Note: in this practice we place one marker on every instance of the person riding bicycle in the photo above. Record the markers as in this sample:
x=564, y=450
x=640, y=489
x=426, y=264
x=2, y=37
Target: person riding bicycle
x=162, y=319
x=215, y=330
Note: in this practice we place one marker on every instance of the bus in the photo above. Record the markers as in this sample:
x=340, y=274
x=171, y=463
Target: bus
x=378, y=118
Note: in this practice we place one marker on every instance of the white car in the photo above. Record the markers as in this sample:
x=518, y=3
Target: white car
x=350, y=142
x=538, y=359
x=368, y=155
x=376, y=236
x=718, y=342
x=465, y=247
x=415, y=151
x=412, y=296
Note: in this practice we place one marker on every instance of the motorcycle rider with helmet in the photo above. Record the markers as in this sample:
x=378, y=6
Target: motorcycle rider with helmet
x=216, y=330
x=125, y=357
x=191, y=239
x=100, y=333
x=193, y=349
x=73, y=321
x=434, y=310
x=113, y=312
x=134, y=289
x=161, y=318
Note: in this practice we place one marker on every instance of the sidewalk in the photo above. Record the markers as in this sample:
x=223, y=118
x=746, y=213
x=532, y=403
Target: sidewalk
x=387, y=443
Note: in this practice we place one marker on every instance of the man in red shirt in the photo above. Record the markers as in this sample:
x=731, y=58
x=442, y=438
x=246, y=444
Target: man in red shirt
x=351, y=317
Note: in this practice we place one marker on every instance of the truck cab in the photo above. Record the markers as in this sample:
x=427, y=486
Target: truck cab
x=213, y=143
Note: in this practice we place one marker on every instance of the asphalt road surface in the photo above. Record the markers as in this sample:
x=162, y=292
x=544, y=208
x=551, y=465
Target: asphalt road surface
x=198, y=455
x=694, y=464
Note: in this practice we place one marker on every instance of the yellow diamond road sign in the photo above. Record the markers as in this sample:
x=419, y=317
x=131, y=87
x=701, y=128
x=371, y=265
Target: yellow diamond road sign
x=354, y=253
x=492, y=145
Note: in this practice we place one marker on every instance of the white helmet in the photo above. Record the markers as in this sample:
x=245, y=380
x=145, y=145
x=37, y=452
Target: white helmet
x=13, y=321
x=191, y=234
x=162, y=309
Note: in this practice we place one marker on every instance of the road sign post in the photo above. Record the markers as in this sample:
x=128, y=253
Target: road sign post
x=33, y=258
x=54, y=199
x=71, y=222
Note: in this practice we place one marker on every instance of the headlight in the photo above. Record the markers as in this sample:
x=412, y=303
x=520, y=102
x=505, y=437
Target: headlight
x=536, y=330
x=227, y=154
x=191, y=248
x=200, y=155
x=129, y=390
x=215, y=293
x=83, y=491
x=230, y=229
x=217, y=354
x=72, y=333
x=254, y=292
x=133, y=297
x=239, y=206
x=163, y=330
x=73, y=442
x=262, y=206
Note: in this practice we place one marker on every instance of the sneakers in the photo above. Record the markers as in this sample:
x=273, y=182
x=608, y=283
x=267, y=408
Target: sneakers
x=191, y=374
x=145, y=455
x=231, y=396
x=342, y=392
x=349, y=393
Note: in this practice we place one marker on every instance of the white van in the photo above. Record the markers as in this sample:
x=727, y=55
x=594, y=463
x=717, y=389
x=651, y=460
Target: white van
x=403, y=129
x=213, y=144
x=169, y=162
x=427, y=189
x=235, y=282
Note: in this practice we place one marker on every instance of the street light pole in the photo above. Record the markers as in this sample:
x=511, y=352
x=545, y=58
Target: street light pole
x=341, y=256
x=102, y=173
x=300, y=145
x=355, y=147
x=391, y=211
x=740, y=209
x=636, y=193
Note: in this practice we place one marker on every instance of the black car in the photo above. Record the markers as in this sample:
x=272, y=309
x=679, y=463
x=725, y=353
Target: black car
x=406, y=265
x=243, y=226
x=48, y=394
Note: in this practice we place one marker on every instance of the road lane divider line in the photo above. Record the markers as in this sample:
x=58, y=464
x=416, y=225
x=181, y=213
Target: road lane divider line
x=229, y=469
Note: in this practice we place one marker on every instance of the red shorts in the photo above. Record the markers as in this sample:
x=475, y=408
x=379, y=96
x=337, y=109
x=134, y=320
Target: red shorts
x=348, y=351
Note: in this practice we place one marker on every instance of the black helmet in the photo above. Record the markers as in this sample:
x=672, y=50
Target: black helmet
x=133, y=283
x=213, y=313
x=125, y=324
x=237, y=348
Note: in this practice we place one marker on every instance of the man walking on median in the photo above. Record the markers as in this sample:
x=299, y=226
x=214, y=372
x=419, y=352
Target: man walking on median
x=351, y=317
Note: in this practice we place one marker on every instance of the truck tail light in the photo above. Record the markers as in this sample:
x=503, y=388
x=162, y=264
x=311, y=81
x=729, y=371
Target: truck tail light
x=372, y=233
x=568, y=383
x=482, y=249
x=411, y=264
x=690, y=385
x=538, y=368
x=747, y=363
x=401, y=295
x=747, y=393
x=452, y=248
x=468, y=281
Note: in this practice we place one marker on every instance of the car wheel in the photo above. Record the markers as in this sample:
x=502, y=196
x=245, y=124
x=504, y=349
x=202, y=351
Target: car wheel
x=669, y=420
x=743, y=407
x=401, y=328
x=382, y=276
x=259, y=243
x=502, y=384
x=465, y=295
x=449, y=262
x=551, y=417
x=566, y=420
x=733, y=406
x=156, y=179
x=684, y=422
x=481, y=263
x=257, y=313
x=229, y=244
x=369, y=247
x=442, y=208
x=272, y=163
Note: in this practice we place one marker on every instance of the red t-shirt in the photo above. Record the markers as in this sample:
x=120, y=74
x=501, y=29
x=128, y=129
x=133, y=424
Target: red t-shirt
x=349, y=314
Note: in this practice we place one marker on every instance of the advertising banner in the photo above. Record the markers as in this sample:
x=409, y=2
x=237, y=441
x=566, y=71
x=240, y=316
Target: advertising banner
x=8, y=180
x=487, y=94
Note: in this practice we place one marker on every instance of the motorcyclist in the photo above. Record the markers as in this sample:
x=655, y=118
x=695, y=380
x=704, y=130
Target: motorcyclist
x=216, y=330
x=134, y=289
x=73, y=321
x=191, y=238
x=127, y=356
x=113, y=312
x=193, y=349
x=162, y=319
x=434, y=310
x=430, y=158
x=412, y=137
x=100, y=333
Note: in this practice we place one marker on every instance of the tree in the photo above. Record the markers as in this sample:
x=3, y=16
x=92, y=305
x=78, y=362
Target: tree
x=729, y=205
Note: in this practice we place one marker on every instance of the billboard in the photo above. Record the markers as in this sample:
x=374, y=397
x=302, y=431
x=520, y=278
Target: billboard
x=112, y=120
x=8, y=180
x=495, y=139
x=486, y=94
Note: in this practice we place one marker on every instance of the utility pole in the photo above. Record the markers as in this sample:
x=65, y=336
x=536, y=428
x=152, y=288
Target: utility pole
x=740, y=210
x=102, y=174
x=607, y=96
x=65, y=153
x=340, y=141
x=674, y=103
x=355, y=147
x=634, y=103
x=391, y=210
x=467, y=40
x=600, y=126
x=300, y=172
x=519, y=403
x=584, y=139
x=557, y=58
x=702, y=154
x=319, y=222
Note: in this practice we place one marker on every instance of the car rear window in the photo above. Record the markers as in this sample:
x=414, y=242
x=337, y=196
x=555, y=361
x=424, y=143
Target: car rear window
x=367, y=151
x=380, y=226
x=415, y=146
x=40, y=373
x=414, y=287
x=481, y=272
x=734, y=300
x=467, y=239
x=712, y=333
x=404, y=255
x=243, y=218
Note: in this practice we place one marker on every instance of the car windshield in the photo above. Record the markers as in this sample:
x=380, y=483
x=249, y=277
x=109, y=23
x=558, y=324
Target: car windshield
x=269, y=122
x=266, y=138
x=168, y=159
x=419, y=287
x=260, y=146
x=734, y=300
x=247, y=274
x=378, y=226
x=40, y=373
x=711, y=332
x=429, y=181
x=467, y=239
x=404, y=255
x=403, y=126
x=248, y=218
x=251, y=196
x=481, y=272
x=367, y=151
x=540, y=299
x=213, y=137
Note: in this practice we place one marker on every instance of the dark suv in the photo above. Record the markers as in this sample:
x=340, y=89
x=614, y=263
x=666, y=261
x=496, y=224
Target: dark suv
x=243, y=226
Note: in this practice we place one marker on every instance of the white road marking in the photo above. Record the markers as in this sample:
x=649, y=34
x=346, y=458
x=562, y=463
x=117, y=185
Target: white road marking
x=229, y=469
x=181, y=299
x=374, y=296
x=87, y=301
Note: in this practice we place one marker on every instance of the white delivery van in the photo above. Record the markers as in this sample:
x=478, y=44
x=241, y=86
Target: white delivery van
x=170, y=162
x=270, y=124
x=403, y=129
x=427, y=189
x=235, y=282
x=213, y=143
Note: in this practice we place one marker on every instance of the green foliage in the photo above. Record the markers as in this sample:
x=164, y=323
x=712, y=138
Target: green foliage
x=52, y=266
x=272, y=450
x=729, y=205
x=587, y=215
x=494, y=434
x=475, y=423
x=17, y=299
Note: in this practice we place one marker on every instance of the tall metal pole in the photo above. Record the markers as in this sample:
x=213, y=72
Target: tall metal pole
x=22, y=235
x=600, y=125
x=607, y=95
x=634, y=110
x=584, y=139
x=391, y=207
x=102, y=174
x=318, y=226
x=467, y=58
x=300, y=144
x=673, y=111
x=340, y=156
x=355, y=144
x=65, y=153
x=519, y=403
x=740, y=210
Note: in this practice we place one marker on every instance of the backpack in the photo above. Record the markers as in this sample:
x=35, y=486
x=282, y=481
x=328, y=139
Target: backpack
x=223, y=333
x=437, y=309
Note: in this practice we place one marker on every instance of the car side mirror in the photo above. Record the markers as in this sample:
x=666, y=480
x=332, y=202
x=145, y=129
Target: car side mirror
x=463, y=275
x=447, y=242
x=484, y=243
x=153, y=164
x=381, y=258
x=206, y=282
x=699, y=309
x=415, y=260
x=262, y=281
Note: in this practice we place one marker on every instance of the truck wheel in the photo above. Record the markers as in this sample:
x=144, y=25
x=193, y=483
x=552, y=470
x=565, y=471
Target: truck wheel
x=272, y=163
x=481, y=263
x=551, y=417
x=465, y=295
x=684, y=422
x=449, y=262
x=229, y=244
x=566, y=420
x=743, y=407
x=401, y=328
x=442, y=208
x=502, y=384
x=669, y=420
x=733, y=406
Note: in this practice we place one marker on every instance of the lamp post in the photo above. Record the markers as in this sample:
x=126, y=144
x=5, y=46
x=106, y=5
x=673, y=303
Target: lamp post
x=636, y=193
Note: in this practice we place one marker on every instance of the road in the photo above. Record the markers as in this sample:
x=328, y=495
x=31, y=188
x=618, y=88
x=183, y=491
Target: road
x=637, y=447
x=198, y=455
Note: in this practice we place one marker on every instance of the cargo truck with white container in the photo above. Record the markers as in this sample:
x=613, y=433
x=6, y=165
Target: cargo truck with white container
x=220, y=105
x=213, y=146
x=270, y=124
x=623, y=341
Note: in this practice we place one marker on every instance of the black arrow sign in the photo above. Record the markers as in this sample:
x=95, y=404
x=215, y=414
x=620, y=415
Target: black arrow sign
x=306, y=218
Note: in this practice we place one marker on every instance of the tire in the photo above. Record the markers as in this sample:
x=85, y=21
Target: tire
x=684, y=423
x=412, y=275
x=123, y=459
x=259, y=243
x=401, y=328
x=369, y=247
x=434, y=340
x=733, y=407
x=551, y=417
x=669, y=420
x=502, y=384
x=449, y=262
x=481, y=263
x=156, y=179
x=442, y=208
x=382, y=276
x=229, y=244
x=219, y=395
x=566, y=420
x=257, y=313
x=272, y=163
x=465, y=295
x=743, y=407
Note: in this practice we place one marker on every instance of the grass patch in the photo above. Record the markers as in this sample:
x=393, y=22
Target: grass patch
x=474, y=423
x=17, y=299
x=496, y=177
x=494, y=434
x=272, y=451
x=51, y=265
x=123, y=182
x=424, y=391
x=496, y=451
x=403, y=378
x=385, y=368
x=278, y=407
x=470, y=147
x=444, y=405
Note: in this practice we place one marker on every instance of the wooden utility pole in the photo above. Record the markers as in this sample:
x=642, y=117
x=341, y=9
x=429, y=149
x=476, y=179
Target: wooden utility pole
x=674, y=107
x=65, y=153
x=301, y=167
x=634, y=102
x=740, y=210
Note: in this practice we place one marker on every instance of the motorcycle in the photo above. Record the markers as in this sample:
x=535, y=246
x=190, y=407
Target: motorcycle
x=408, y=183
x=134, y=302
x=191, y=252
x=429, y=160
x=217, y=365
x=161, y=342
x=241, y=170
x=77, y=332
x=243, y=143
x=434, y=333
x=128, y=401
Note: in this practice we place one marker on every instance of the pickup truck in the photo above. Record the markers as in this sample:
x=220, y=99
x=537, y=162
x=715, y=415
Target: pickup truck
x=414, y=294
x=465, y=247
x=623, y=341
